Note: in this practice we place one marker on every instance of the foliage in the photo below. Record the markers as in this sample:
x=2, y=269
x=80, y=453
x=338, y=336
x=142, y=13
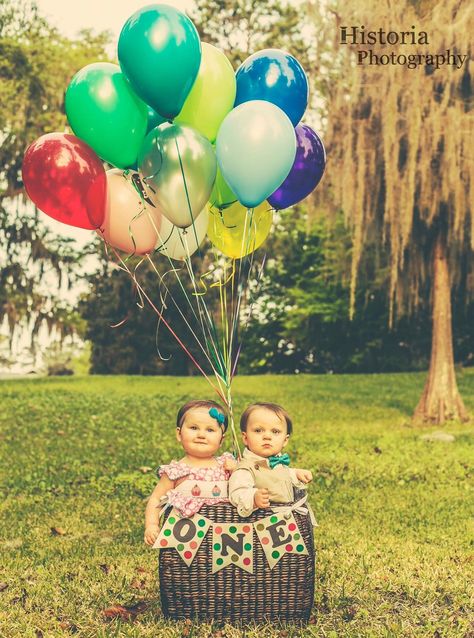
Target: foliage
x=126, y=333
x=36, y=64
x=60, y=359
x=394, y=550
x=241, y=27
x=36, y=270
x=301, y=321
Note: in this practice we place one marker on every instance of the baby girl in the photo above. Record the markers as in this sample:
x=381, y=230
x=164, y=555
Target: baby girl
x=200, y=477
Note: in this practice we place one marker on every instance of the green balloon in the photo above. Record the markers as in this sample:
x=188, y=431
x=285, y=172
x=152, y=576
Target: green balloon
x=178, y=165
x=160, y=52
x=104, y=112
x=222, y=195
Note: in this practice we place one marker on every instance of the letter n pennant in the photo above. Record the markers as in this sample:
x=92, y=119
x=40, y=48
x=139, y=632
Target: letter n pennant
x=232, y=544
x=184, y=534
x=279, y=535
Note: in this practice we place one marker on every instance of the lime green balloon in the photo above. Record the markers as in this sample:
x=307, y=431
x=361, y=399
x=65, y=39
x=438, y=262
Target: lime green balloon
x=222, y=195
x=237, y=231
x=104, y=112
x=212, y=95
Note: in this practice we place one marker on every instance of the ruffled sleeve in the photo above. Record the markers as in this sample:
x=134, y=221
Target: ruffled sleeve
x=174, y=470
x=225, y=457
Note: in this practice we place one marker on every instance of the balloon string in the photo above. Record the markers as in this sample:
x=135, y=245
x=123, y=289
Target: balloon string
x=242, y=268
x=200, y=299
x=163, y=308
x=215, y=284
x=191, y=275
x=163, y=245
x=175, y=270
x=169, y=293
x=249, y=315
x=187, y=194
x=142, y=291
x=184, y=244
x=221, y=356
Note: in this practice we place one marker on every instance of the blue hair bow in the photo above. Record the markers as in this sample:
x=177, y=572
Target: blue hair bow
x=218, y=416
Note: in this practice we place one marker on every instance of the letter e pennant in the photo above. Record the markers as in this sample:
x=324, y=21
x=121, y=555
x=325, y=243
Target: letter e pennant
x=279, y=535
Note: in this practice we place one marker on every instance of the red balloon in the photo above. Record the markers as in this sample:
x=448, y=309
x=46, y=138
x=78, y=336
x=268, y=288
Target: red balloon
x=66, y=180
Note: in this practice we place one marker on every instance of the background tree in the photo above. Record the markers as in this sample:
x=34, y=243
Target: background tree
x=242, y=27
x=400, y=143
x=36, y=65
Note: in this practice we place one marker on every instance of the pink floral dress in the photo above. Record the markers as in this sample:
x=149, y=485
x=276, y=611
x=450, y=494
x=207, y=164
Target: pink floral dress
x=188, y=503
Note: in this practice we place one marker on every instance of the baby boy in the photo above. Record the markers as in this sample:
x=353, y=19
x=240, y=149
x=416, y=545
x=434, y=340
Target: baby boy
x=263, y=476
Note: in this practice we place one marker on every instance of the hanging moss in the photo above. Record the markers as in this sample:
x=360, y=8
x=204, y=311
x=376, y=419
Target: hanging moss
x=400, y=144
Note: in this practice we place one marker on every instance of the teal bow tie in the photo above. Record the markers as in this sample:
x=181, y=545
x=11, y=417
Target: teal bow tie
x=284, y=459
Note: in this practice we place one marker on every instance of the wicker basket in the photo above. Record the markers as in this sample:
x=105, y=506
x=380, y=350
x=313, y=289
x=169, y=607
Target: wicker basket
x=284, y=593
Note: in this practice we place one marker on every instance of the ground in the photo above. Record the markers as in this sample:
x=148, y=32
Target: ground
x=395, y=546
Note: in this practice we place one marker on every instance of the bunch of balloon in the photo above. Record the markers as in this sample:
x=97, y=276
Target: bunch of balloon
x=171, y=146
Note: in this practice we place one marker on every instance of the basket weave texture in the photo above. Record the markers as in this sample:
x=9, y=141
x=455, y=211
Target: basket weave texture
x=284, y=593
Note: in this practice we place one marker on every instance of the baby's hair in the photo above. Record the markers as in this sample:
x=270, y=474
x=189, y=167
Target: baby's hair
x=203, y=403
x=274, y=407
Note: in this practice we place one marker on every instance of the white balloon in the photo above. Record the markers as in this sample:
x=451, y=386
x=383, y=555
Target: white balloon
x=179, y=243
x=131, y=222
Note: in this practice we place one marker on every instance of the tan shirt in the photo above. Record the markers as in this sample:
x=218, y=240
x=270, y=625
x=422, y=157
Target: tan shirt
x=254, y=473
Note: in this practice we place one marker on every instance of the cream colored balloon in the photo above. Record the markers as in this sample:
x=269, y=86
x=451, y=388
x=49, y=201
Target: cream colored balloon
x=131, y=222
x=179, y=243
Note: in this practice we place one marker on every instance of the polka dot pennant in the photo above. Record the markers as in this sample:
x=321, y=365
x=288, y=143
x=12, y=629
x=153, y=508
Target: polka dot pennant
x=185, y=535
x=279, y=535
x=232, y=544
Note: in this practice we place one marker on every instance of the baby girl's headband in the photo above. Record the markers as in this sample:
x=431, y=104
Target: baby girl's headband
x=218, y=416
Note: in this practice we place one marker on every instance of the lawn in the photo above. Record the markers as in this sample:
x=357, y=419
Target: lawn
x=395, y=543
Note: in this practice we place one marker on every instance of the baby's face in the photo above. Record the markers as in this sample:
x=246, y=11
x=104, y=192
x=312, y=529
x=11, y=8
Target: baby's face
x=266, y=433
x=200, y=435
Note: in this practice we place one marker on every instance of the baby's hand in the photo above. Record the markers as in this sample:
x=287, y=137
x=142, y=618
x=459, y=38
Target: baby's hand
x=151, y=534
x=305, y=476
x=230, y=465
x=261, y=498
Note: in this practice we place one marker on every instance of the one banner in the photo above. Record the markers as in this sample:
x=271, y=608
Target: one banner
x=184, y=534
x=232, y=544
x=279, y=535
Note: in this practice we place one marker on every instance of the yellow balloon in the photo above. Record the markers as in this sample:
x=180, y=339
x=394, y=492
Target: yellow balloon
x=237, y=231
x=212, y=95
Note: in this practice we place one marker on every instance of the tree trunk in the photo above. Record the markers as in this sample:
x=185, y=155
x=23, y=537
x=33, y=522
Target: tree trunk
x=441, y=400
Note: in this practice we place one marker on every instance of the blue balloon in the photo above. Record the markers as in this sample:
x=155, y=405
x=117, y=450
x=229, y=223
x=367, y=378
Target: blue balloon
x=274, y=76
x=256, y=147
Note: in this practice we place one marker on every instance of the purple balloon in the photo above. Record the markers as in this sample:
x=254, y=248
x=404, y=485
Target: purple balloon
x=306, y=172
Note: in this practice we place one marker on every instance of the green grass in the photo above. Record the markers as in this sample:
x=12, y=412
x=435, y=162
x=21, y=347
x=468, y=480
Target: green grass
x=395, y=544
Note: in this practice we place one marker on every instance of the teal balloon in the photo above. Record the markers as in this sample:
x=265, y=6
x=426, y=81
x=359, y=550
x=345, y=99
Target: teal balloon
x=154, y=119
x=160, y=53
x=256, y=148
x=103, y=111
